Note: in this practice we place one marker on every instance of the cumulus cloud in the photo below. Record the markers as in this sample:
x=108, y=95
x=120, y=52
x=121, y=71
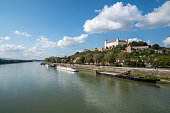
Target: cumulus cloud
x=12, y=51
x=114, y=18
x=97, y=11
x=22, y=33
x=134, y=39
x=11, y=47
x=119, y=17
x=38, y=49
x=71, y=41
x=45, y=43
x=160, y=17
x=20, y=52
x=166, y=42
x=5, y=38
x=149, y=42
x=34, y=52
x=137, y=40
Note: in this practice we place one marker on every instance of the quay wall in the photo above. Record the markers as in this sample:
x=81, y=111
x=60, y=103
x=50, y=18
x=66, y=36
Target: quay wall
x=148, y=71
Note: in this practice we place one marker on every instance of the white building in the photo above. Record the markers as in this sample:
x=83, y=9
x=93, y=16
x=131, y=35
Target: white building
x=115, y=43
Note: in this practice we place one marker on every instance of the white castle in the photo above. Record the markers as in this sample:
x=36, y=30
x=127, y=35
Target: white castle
x=115, y=43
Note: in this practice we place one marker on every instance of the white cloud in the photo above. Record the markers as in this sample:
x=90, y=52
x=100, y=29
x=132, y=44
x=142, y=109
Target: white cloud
x=71, y=41
x=45, y=43
x=97, y=11
x=149, y=42
x=12, y=51
x=119, y=17
x=134, y=39
x=19, y=52
x=22, y=33
x=166, y=42
x=114, y=18
x=137, y=40
x=38, y=49
x=11, y=47
x=34, y=52
x=5, y=38
x=160, y=17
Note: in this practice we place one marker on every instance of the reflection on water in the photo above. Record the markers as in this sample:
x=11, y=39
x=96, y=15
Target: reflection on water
x=30, y=87
x=109, y=94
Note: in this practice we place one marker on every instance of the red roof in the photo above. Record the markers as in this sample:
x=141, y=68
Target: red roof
x=111, y=41
x=116, y=40
x=122, y=41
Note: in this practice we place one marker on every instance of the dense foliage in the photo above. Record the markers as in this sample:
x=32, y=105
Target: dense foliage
x=140, y=43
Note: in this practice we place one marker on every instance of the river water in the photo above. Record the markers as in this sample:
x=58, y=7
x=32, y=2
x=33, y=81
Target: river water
x=32, y=88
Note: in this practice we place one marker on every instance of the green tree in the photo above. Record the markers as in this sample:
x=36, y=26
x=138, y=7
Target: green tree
x=52, y=60
x=140, y=43
x=164, y=50
x=109, y=57
x=89, y=58
x=81, y=59
x=57, y=60
x=97, y=57
x=162, y=61
x=124, y=57
x=155, y=47
x=47, y=60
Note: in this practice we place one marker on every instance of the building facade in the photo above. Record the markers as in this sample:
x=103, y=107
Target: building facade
x=131, y=48
x=115, y=43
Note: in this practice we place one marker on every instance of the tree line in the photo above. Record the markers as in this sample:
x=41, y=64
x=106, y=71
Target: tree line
x=3, y=61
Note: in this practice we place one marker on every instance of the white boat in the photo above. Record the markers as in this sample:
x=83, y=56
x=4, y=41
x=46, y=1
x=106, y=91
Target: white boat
x=47, y=65
x=67, y=69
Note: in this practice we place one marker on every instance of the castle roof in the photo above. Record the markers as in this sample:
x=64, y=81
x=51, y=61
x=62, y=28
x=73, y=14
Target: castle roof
x=122, y=40
x=116, y=40
x=111, y=41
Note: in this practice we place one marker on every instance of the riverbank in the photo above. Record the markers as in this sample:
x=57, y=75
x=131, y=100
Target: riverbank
x=127, y=75
x=146, y=71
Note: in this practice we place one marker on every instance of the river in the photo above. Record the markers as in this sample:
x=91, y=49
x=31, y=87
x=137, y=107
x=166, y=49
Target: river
x=32, y=88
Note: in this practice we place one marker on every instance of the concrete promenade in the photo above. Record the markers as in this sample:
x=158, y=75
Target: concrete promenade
x=148, y=71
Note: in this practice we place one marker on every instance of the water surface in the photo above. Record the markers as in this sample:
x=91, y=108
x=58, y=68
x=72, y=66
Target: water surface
x=32, y=88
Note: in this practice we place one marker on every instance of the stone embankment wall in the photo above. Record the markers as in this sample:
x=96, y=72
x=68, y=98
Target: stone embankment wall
x=149, y=71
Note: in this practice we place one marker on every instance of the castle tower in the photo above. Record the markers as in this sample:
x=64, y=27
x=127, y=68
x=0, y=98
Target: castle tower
x=117, y=42
x=117, y=39
x=105, y=43
x=127, y=40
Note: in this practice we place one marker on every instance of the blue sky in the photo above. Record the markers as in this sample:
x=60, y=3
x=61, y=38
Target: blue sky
x=42, y=28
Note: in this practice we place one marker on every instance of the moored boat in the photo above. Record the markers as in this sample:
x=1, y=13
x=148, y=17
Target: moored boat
x=47, y=65
x=67, y=69
x=121, y=75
